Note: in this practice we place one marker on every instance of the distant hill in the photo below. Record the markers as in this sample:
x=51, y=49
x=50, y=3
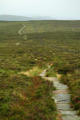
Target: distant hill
x=21, y=18
x=13, y=18
x=42, y=18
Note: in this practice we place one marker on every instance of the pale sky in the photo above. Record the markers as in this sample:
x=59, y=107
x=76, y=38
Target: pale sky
x=59, y=9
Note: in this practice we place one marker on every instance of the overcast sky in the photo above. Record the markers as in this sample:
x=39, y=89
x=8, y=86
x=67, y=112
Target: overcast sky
x=60, y=9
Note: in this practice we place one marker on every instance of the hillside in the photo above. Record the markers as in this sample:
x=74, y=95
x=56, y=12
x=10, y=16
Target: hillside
x=21, y=18
x=13, y=18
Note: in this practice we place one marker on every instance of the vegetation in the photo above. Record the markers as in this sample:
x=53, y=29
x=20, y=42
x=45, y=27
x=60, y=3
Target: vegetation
x=41, y=42
x=26, y=98
x=33, y=72
x=50, y=72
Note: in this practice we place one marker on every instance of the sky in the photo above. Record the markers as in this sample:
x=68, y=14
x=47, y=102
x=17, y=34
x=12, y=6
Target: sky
x=58, y=9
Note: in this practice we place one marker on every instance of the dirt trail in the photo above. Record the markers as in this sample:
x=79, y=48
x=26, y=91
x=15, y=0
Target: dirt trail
x=20, y=32
x=62, y=99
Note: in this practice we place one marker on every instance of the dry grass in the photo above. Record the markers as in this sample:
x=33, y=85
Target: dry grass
x=58, y=76
x=35, y=71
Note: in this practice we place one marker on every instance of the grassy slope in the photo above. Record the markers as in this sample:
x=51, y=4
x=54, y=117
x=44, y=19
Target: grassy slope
x=56, y=42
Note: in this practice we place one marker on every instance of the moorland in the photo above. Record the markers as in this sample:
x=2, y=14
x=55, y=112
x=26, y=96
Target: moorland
x=41, y=43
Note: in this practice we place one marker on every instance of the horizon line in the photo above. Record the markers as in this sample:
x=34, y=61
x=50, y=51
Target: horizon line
x=37, y=16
